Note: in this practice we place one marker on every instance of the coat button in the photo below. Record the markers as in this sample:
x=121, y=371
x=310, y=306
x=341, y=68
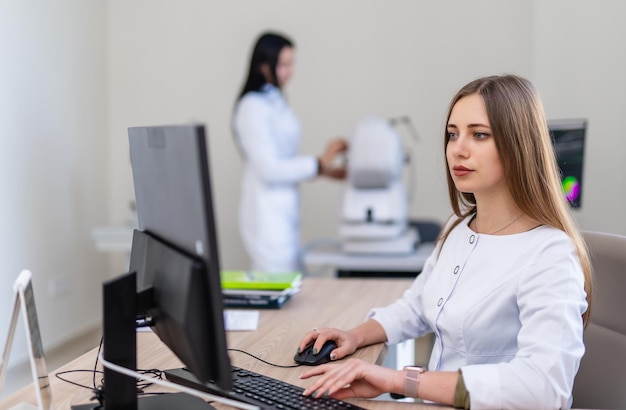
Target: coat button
x=440, y=301
x=472, y=239
x=456, y=269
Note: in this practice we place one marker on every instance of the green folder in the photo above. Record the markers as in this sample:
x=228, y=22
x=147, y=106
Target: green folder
x=239, y=279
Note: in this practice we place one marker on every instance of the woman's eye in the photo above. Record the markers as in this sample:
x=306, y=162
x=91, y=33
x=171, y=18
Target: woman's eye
x=481, y=135
x=452, y=135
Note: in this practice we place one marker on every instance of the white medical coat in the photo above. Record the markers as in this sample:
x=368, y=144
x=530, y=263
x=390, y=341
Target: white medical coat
x=269, y=134
x=504, y=309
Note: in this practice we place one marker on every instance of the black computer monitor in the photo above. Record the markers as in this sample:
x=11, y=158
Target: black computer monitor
x=568, y=137
x=174, y=205
x=174, y=274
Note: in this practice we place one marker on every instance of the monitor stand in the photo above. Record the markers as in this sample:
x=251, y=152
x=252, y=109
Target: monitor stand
x=120, y=347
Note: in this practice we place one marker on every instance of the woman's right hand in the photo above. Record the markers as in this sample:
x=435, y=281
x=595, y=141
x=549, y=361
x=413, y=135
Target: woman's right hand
x=354, y=378
x=346, y=341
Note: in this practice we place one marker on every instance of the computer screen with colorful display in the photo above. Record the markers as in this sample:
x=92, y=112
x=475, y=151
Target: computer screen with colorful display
x=568, y=137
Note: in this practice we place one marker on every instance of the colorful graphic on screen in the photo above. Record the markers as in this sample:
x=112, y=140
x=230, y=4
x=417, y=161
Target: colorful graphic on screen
x=571, y=188
x=568, y=137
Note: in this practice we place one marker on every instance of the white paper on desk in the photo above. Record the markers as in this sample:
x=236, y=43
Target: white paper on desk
x=144, y=329
x=235, y=319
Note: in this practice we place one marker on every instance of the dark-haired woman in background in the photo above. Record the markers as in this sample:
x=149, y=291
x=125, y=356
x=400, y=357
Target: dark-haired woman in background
x=268, y=135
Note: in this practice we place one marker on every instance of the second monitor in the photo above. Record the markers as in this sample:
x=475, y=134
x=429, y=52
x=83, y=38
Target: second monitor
x=568, y=138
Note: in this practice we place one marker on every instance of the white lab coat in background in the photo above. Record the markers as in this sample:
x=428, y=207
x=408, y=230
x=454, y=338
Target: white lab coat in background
x=269, y=133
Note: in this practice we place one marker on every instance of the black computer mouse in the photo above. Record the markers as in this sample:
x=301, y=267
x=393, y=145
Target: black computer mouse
x=323, y=356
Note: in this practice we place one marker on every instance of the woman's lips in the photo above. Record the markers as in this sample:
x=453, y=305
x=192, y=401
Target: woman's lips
x=461, y=171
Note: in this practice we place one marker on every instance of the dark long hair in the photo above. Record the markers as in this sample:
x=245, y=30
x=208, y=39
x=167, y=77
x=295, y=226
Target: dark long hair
x=266, y=50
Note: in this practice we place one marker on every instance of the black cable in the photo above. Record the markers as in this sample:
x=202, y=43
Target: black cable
x=100, y=391
x=58, y=375
x=264, y=361
x=142, y=384
x=95, y=366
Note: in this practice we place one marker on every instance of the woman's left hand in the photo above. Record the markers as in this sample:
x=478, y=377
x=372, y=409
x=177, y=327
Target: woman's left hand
x=326, y=161
x=354, y=378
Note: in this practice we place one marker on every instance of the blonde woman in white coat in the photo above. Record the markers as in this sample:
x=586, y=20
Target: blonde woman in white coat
x=268, y=135
x=508, y=289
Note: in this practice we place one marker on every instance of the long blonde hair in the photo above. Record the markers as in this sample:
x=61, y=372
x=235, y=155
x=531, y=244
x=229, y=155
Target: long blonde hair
x=517, y=119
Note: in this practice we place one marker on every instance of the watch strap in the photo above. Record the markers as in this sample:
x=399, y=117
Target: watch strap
x=411, y=380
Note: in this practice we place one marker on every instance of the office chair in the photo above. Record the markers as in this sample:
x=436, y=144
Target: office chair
x=428, y=230
x=601, y=379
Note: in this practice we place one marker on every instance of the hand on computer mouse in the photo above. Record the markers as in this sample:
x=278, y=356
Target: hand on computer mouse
x=311, y=357
x=345, y=343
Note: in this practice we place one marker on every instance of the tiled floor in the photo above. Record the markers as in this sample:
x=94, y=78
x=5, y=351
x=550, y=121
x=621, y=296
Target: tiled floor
x=20, y=375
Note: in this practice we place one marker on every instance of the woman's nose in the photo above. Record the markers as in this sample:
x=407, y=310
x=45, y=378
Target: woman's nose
x=459, y=146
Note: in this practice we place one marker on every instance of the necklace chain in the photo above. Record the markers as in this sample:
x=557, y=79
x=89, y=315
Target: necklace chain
x=501, y=229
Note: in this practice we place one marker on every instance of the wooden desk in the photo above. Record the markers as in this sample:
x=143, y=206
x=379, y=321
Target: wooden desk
x=341, y=303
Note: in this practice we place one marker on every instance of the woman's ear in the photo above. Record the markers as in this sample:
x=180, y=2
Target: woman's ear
x=267, y=73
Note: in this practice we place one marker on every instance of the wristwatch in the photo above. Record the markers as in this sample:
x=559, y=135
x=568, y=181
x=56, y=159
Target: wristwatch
x=411, y=380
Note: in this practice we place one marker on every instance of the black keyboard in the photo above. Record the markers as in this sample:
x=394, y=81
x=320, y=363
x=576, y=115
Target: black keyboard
x=260, y=390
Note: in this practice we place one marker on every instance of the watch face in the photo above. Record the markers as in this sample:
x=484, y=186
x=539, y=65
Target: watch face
x=419, y=369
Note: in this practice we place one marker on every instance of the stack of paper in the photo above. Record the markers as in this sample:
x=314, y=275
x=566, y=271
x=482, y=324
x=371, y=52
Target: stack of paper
x=259, y=289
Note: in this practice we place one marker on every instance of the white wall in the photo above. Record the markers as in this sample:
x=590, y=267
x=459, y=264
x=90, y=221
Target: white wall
x=579, y=65
x=53, y=161
x=172, y=62
x=76, y=75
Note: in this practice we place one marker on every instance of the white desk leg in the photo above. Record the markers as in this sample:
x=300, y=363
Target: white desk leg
x=405, y=354
x=398, y=356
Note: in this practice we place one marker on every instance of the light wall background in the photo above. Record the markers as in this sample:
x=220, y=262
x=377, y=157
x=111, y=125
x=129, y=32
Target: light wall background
x=75, y=75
